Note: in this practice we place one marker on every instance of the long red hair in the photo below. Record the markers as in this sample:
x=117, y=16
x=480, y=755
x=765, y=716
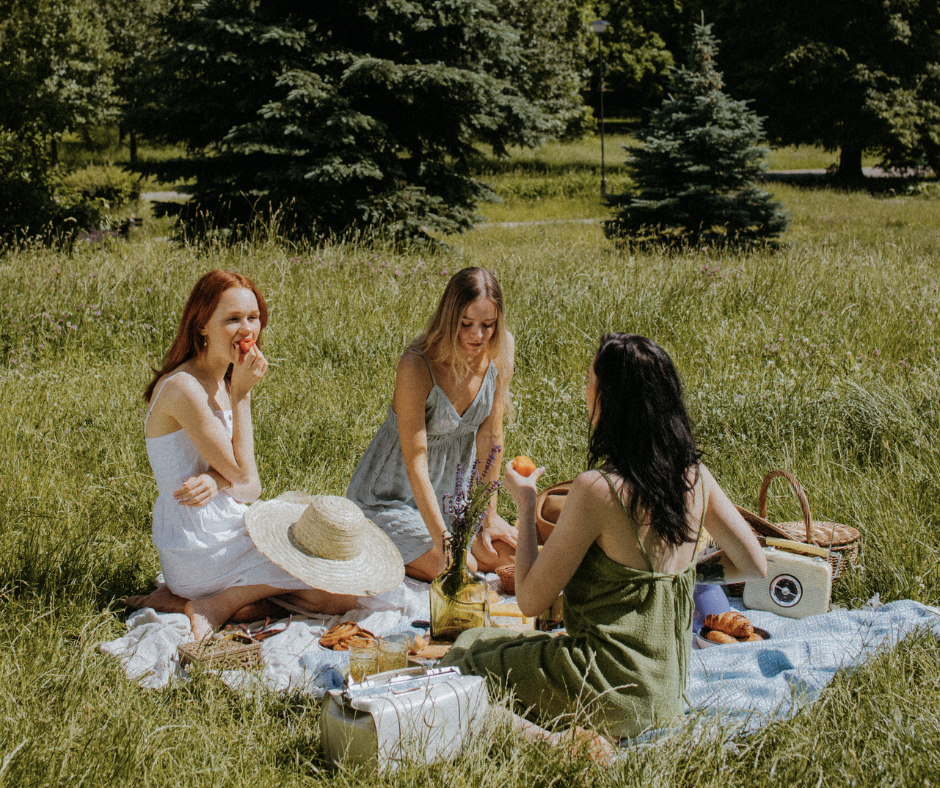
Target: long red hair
x=202, y=302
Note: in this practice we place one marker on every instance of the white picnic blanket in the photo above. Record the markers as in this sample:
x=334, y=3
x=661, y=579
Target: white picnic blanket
x=751, y=684
x=748, y=684
x=293, y=660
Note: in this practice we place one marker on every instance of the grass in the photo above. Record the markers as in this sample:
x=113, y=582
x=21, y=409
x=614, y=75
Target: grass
x=819, y=357
x=806, y=157
x=104, y=146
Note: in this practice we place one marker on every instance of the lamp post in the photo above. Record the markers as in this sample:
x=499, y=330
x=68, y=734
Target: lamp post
x=599, y=26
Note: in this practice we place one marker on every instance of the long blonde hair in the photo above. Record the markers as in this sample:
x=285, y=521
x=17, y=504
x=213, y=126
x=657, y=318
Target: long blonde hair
x=439, y=339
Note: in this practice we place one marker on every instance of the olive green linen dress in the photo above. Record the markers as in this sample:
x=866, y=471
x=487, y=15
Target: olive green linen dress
x=624, y=658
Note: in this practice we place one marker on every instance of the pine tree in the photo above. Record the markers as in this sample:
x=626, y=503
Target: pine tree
x=344, y=115
x=696, y=173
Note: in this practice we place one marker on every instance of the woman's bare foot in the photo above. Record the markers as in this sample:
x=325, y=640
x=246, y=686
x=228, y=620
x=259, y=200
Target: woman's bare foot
x=165, y=601
x=578, y=741
x=205, y=616
x=162, y=600
x=486, y=562
x=211, y=612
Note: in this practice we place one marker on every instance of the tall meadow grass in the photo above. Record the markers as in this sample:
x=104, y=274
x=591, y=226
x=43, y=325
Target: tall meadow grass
x=819, y=357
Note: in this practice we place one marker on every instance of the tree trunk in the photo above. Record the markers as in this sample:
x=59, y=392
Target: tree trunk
x=54, y=152
x=133, y=138
x=850, y=165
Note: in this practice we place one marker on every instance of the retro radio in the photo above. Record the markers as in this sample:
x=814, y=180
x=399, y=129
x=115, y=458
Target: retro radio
x=797, y=584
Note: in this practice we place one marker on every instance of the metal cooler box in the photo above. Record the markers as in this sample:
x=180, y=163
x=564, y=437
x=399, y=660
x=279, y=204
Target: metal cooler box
x=417, y=714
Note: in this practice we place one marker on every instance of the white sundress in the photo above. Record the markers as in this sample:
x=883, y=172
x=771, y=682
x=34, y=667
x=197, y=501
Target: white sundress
x=203, y=549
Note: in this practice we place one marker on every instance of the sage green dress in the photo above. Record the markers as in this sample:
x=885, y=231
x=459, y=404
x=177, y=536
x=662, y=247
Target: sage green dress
x=624, y=658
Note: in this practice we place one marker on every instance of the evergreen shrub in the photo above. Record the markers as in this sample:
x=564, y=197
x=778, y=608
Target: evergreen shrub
x=111, y=184
x=696, y=174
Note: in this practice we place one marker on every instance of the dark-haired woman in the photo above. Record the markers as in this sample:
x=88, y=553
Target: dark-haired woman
x=201, y=450
x=451, y=390
x=623, y=552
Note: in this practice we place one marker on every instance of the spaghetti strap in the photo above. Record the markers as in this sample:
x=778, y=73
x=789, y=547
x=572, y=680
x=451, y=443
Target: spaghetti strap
x=155, y=398
x=431, y=371
x=629, y=520
x=701, y=524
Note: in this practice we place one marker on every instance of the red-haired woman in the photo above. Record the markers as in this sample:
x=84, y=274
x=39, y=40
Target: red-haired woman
x=201, y=450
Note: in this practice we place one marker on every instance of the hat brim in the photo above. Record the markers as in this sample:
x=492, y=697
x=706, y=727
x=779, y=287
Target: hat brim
x=377, y=568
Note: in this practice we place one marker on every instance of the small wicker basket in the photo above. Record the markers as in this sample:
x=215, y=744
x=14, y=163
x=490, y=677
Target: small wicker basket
x=842, y=541
x=507, y=578
x=220, y=654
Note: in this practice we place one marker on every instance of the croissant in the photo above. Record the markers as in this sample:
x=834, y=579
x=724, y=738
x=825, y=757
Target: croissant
x=731, y=623
x=715, y=636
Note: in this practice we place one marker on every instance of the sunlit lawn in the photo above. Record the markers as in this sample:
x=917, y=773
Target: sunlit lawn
x=819, y=357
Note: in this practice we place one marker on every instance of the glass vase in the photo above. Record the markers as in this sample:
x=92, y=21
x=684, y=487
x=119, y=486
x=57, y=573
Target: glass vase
x=460, y=600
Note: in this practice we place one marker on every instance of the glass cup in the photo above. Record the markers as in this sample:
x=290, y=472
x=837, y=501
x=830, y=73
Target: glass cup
x=363, y=658
x=393, y=652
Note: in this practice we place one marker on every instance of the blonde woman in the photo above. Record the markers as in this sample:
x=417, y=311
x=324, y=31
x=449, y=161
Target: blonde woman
x=451, y=391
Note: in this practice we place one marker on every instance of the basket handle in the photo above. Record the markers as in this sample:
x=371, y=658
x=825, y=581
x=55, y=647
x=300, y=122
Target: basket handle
x=800, y=496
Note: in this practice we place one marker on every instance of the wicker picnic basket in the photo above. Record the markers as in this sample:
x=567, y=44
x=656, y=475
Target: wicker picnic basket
x=548, y=506
x=842, y=541
x=226, y=654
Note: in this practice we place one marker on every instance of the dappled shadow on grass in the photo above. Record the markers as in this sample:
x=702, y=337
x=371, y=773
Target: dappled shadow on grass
x=484, y=167
x=888, y=186
x=49, y=555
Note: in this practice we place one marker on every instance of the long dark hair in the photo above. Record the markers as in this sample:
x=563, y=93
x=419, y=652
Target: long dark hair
x=202, y=302
x=643, y=432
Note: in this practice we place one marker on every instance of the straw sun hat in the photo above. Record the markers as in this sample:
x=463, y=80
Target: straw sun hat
x=327, y=542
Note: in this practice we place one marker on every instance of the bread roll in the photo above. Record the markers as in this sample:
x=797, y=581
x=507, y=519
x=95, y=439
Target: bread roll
x=716, y=636
x=731, y=623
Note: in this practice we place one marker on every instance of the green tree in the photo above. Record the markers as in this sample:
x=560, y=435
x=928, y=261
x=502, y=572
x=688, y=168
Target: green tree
x=347, y=115
x=55, y=69
x=638, y=50
x=847, y=75
x=553, y=69
x=696, y=171
x=134, y=36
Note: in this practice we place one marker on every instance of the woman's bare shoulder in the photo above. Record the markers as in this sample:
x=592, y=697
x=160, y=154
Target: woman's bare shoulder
x=179, y=386
x=591, y=486
x=413, y=368
x=412, y=381
x=708, y=481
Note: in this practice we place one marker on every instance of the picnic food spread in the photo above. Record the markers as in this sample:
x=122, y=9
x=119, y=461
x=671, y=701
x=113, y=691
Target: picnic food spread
x=338, y=637
x=730, y=623
x=523, y=465
x=246, y=344
x=731, y=627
